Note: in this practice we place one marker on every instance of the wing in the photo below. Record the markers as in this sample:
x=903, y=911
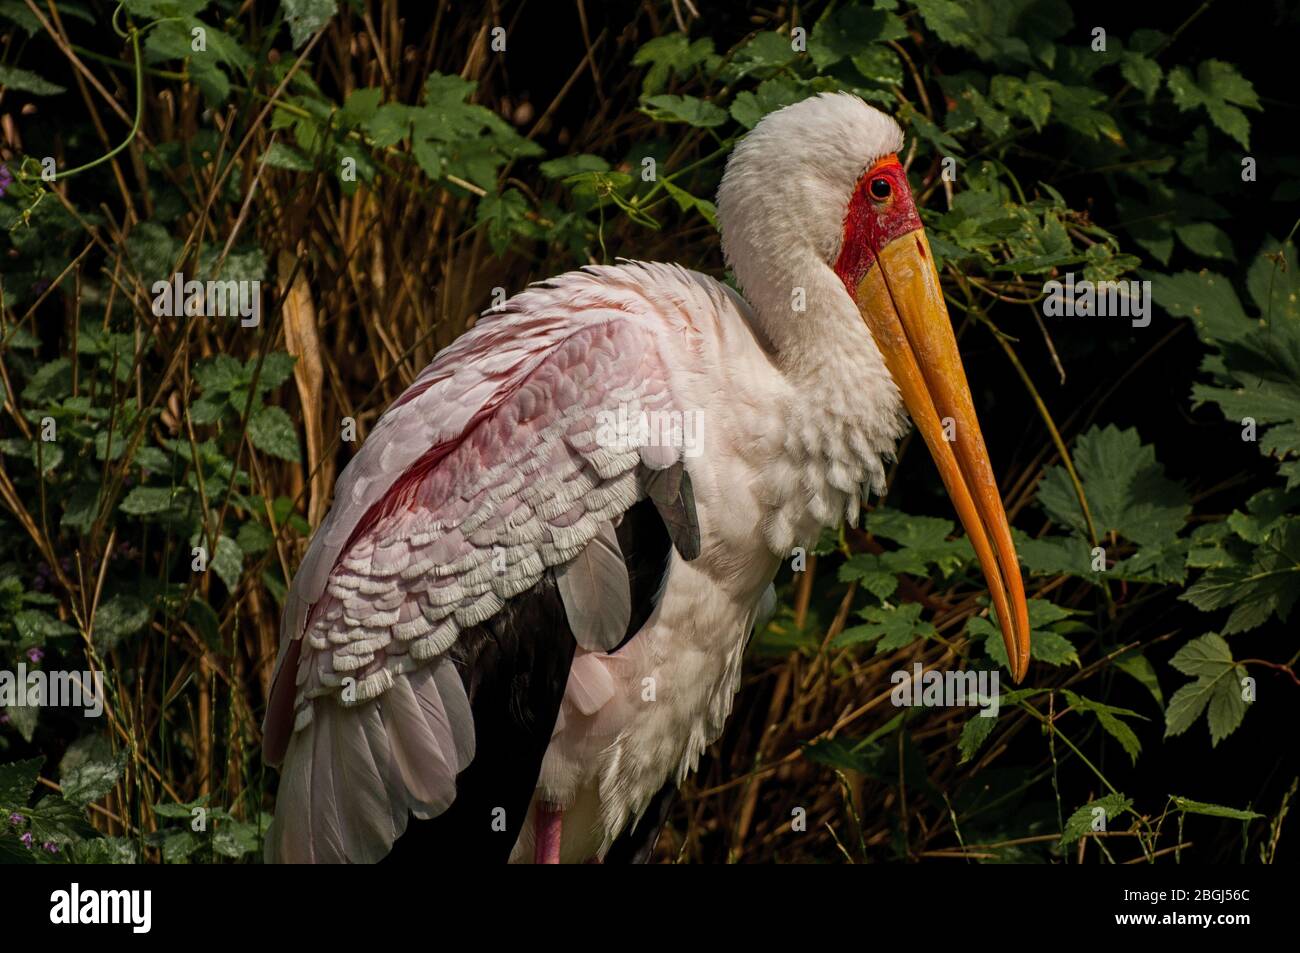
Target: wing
x=422, y=625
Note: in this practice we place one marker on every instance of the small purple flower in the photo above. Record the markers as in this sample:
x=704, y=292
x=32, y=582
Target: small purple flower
x=6, y=179
x=50, y=846
x=27, y=840
x=35, y=654
x=39, y=583
x=4, y=717
x=17, y=820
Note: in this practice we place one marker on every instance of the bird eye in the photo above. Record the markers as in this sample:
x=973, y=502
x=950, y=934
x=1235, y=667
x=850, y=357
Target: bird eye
x=880, y=189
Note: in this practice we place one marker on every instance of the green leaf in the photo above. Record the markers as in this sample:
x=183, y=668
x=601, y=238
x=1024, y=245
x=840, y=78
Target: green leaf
x=119, y=617
x=848, y=31
x=1077, y=108
x=1142, y=72
x=1217, y=686
x=772, y=94
x=893, y=627
x=688, y=109
x=273, y=432
x=1046, y=641
x=80, y=508
x=673, y=54
x=177, y=847
x=566, y=166
x=1028, y=99
x=1188, y=806
x=1126, y=489
x=17, y=782
x=91, y=780
x=361, y=106
x=687, y=202
x=879, y=64
x=1274, y=283
x=34, y=627
x=222, y=373
x=506, y=218
x=1266, y=584
x=23, y=81
x=1206, y=239
x=235, y=839
x=866, y=569
x=180, y=811
x=105, y=850
x=974, y=733
x=1081, y=821
x=1220, y=89
x=228, y=562
x=254, y=538
x=281, y=156
x=1206, y=298
x=53, y=381
x=1109, y=717
x=767, y=51
x=1138, y=666
x=277, y=367
x=305, y=17
x=147, y=500
x=923, y=541
x=1055, y=554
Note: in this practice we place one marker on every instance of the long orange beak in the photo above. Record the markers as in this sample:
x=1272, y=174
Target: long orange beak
x=902, y=304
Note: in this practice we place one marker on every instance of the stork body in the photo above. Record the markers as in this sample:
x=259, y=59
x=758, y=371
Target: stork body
x=526, y=611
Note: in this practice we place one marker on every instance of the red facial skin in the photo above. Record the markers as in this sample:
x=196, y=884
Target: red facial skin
x=872, y=223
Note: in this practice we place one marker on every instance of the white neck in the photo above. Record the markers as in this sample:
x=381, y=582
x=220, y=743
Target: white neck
x=842, y=415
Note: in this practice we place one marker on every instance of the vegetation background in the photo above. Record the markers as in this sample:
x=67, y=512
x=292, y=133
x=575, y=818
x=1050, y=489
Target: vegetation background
x=382, y=169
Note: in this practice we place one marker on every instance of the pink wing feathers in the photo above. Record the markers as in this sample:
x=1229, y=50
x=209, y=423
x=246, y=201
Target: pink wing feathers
x=495, y=466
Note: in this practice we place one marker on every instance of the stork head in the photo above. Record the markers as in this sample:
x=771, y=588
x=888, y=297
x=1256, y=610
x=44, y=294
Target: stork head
x=815, y=196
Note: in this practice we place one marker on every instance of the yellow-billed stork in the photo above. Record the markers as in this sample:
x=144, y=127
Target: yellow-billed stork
x=524, y=616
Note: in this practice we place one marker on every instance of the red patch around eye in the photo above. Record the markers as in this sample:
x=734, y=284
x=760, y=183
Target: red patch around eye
x=870, y=224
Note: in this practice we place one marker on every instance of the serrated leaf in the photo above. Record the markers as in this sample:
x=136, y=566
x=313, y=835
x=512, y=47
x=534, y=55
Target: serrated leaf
x=974, y=733
x=566, y=166
x=1126, y=489
x=281, y=156
x=91, y=780
x=117, y=618
x=1142, y=72
x=228, y=562
x=688, y=109
x=1081, y=821
x=17, y=782
x=848, y=31
x=25, y=81
x=1045, y=644
x=1217, y=687
x=1109, y=717
x=1220, y=89
x=890, y=628
x=147, y=500
x=273, y=432
x=305, y=17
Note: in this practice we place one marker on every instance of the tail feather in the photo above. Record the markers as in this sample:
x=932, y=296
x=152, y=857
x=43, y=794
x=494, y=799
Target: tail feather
x=353, y=775
x=427, y=772
x=361, y=796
